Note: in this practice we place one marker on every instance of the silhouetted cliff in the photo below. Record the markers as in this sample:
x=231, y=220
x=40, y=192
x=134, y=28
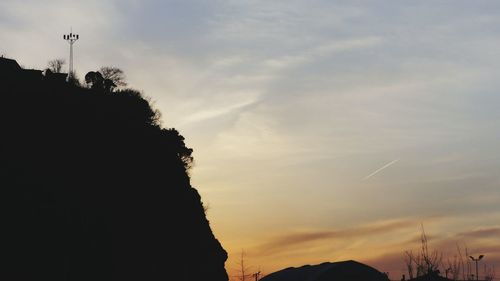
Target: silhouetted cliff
x=92, y=188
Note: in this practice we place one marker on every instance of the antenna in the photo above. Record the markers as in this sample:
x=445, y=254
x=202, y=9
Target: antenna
x=71, y=38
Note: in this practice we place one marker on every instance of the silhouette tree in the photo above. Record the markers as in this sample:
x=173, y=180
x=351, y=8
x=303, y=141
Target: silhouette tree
x=425, y=262
x=97, y=82
x=243, y=270
x=431, y=260
x=489, y=273
x=108, y=86
x=114, y=74
x=93, y=79
x=56, y=65
x=408, y=258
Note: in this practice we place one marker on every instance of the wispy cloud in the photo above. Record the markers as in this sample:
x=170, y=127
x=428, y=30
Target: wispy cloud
x=303, y=239
x=215, y=112
x=325, y=49
x=490, y=232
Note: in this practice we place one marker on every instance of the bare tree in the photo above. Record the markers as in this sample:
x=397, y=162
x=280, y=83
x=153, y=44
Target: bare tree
x=432, y=259
x=428, y=261
x=489, y=273
x=114, y=74
x=243, y=270
x=425, y=262
x=419, y=265
x=462, y=264
x=56, y=65
x=409, y=262
x=453, y=268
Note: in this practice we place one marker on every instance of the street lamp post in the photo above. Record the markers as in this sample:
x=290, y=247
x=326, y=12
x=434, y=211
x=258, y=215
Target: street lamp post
x=71, y=38
x=477, y=260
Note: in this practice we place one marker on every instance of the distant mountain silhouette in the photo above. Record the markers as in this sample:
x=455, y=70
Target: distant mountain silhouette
x=93, y=188
x=336, y=271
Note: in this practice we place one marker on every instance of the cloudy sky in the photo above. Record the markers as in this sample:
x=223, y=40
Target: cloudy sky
x=322, y=130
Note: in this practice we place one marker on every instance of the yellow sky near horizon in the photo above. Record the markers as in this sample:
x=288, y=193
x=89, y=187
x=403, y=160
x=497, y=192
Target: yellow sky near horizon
x=379, y=245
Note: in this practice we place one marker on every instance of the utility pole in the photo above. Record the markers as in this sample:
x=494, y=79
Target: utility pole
x=477, y=260
x=256, y=275
x=71, y=39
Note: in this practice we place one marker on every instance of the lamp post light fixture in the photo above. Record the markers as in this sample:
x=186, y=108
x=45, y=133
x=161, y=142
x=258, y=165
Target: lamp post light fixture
x=477, y=260
x=71, y=38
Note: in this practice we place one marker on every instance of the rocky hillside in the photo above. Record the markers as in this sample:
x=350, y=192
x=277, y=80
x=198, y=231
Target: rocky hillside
x=93, y=188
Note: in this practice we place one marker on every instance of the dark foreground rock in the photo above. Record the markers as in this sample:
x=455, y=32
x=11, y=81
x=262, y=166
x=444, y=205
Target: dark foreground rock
x=92, y=188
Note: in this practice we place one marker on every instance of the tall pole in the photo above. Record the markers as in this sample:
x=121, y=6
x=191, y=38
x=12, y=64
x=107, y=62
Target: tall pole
x=477, y=260
x=71, y=39
x=71, y=58
x=477, y=273
x=256, y=275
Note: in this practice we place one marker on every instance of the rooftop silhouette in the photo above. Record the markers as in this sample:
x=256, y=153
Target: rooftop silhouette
x=344, y=271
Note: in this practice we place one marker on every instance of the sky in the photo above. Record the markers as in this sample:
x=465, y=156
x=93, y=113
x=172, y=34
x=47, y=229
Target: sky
x=322, y=130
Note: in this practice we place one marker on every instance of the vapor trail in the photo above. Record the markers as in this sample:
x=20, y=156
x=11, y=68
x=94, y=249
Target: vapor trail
x=380, y=169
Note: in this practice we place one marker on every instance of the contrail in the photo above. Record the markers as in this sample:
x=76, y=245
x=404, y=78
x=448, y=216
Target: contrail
x=380, y=169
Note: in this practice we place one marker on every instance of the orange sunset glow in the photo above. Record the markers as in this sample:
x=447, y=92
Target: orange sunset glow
x=322, y=131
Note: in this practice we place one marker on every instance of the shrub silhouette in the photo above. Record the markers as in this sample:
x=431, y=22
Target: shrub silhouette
x=93, y=188
x=114, y=74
